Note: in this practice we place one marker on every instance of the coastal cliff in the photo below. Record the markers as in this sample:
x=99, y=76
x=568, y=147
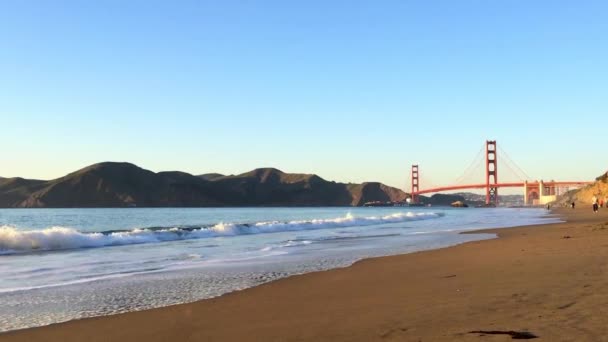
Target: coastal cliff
x=112, y=184
x=584, y=195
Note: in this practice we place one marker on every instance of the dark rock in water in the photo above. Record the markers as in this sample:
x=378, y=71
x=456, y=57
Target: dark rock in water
x=459, y=204
x=113, y=184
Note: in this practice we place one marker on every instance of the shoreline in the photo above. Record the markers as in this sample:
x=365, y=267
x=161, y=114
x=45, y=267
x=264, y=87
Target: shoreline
x=289, y=308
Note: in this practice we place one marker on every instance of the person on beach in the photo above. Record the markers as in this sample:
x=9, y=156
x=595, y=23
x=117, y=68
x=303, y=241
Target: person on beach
x=594, y=201
x=572, y=204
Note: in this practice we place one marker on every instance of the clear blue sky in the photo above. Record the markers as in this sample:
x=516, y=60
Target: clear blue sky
x=350, y=90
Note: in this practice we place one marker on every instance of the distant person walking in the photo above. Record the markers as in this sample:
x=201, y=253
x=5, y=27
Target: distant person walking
x=594, y=201
x=573, y=204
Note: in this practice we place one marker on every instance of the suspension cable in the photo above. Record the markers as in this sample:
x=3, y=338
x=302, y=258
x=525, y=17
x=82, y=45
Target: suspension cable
x=471, y=166
x=527, y=177
x=513, y=171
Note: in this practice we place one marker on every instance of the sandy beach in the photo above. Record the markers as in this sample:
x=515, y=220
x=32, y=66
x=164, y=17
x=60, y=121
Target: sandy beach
x=548, y=281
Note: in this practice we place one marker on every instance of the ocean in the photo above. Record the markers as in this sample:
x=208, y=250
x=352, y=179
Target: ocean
x=63, y=264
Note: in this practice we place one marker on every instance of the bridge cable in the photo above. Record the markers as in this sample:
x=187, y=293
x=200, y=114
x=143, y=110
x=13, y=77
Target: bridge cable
x=513, y=171
x=509, y=165
x=527, y=177
x=471, y=166
x=470, y=173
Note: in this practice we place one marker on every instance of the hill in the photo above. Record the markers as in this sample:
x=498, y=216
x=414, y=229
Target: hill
x=117, y=185
x=480, y=199
x=15, y=190
x=112, y=184
x=374, y=191
x=445, y=199
x=211, y=176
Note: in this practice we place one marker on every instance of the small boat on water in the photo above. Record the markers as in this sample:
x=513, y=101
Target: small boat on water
x=459, y=204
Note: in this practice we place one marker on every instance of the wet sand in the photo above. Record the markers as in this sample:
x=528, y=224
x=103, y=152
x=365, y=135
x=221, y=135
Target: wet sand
x=549, y=281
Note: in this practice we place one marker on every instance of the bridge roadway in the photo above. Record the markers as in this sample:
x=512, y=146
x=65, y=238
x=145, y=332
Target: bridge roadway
x=499, y=185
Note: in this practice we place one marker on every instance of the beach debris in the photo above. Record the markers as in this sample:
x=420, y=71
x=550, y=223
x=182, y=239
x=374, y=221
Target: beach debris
x=515, y=335
x=566, y=237
x=565, y=306
x=449, y=276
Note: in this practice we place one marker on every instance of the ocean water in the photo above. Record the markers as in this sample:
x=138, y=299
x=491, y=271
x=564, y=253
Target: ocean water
x=63, y=264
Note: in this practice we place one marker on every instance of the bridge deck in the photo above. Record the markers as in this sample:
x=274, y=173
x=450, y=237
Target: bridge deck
x=499, y=185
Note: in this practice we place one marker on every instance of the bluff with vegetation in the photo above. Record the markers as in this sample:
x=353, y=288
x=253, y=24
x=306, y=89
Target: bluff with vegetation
x=584, y=195
x=126, y=185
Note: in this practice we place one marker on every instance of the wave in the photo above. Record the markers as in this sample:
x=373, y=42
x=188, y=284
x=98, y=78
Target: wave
x=13, y=240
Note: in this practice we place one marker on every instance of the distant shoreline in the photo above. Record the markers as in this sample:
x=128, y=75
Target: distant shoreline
x=275, y=207
x=120, y=185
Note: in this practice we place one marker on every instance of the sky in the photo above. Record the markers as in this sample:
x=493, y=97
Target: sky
x=350, y=90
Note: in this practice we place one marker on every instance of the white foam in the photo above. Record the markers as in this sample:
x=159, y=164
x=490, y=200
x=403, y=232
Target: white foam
x=13, y=240
x=76, y=281
x=290, y=243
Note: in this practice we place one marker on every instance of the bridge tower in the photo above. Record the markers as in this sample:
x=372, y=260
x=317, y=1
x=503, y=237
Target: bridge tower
x=491, y=173
x=414, y=188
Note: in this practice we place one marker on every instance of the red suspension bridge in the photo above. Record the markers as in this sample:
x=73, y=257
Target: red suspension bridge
x=535, y=192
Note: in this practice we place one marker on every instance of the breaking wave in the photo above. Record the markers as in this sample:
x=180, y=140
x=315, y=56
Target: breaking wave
x=13, y=240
